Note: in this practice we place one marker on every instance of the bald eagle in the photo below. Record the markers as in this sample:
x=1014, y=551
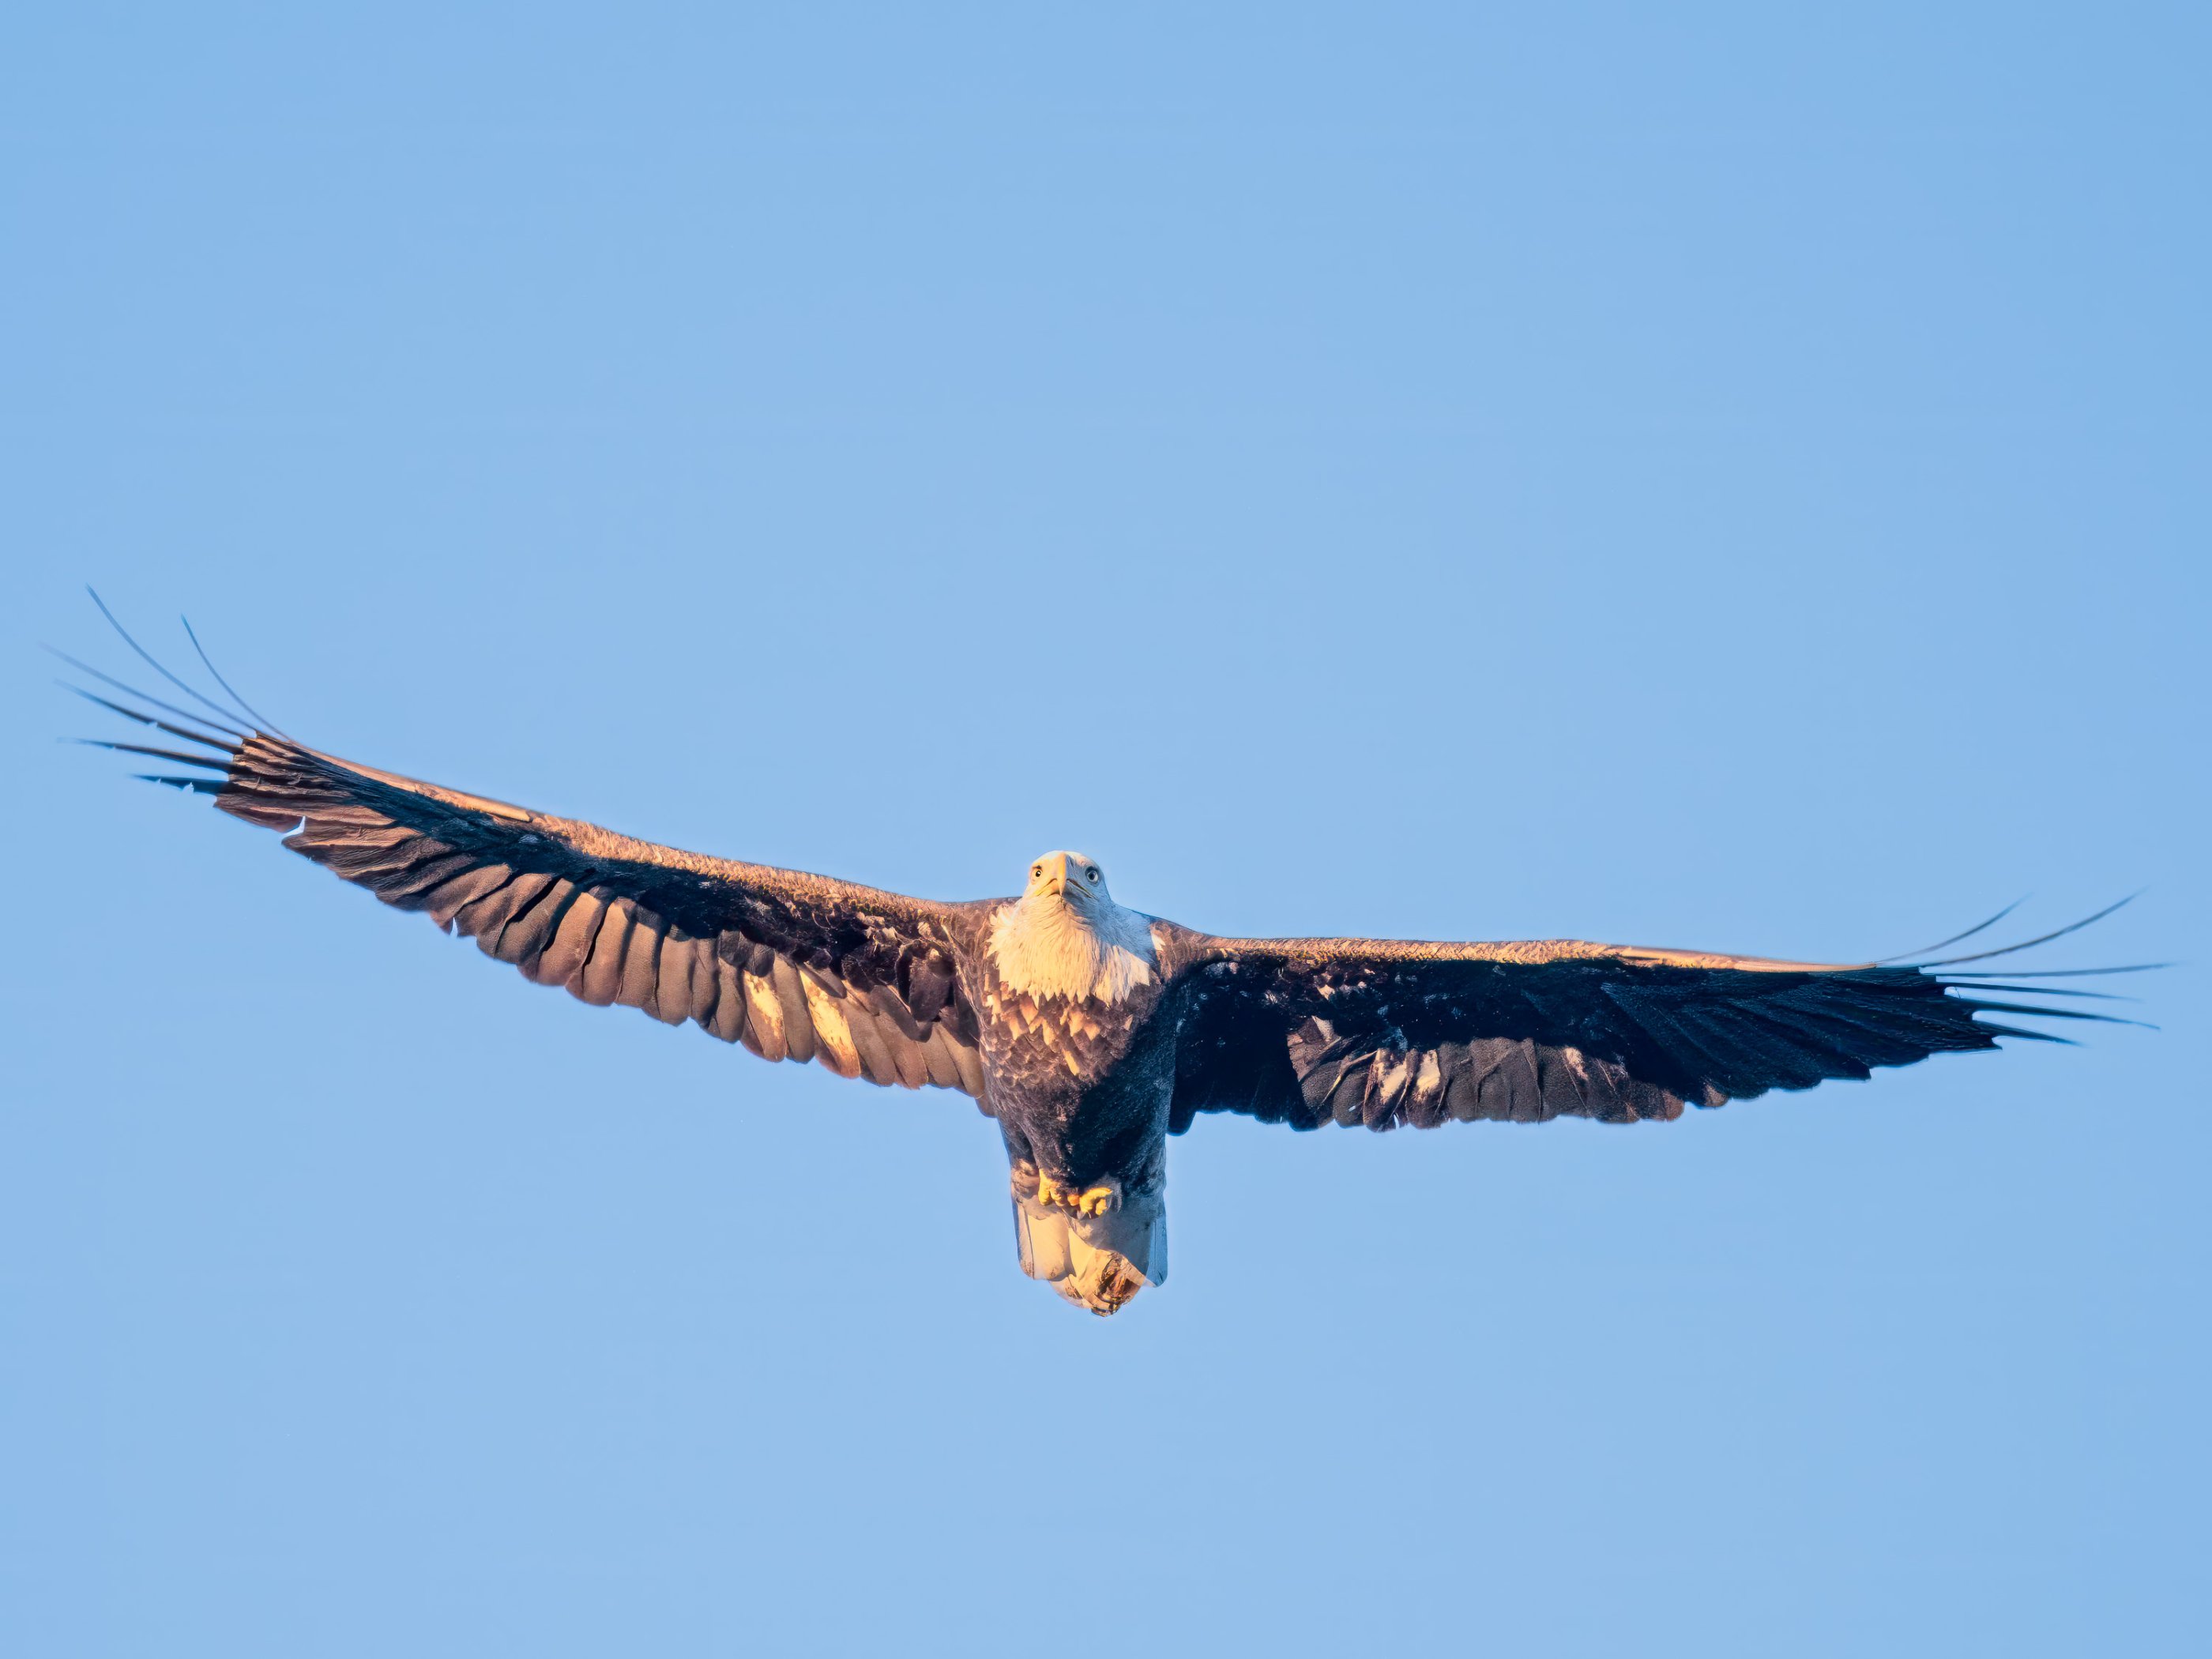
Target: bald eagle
x=1090, y=1032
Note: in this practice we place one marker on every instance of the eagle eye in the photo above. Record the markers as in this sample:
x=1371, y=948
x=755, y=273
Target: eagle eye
x=1036, y=869
x=1091, y=875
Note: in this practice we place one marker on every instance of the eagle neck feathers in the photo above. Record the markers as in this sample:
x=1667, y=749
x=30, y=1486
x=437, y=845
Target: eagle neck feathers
x=1043, y=946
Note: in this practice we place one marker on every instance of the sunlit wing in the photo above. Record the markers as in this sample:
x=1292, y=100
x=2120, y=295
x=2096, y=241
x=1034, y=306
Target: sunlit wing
x=793, y=966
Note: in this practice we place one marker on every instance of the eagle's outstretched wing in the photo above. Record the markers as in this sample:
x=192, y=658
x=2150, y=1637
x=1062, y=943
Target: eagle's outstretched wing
x=793, y=966
x=1386, y=1032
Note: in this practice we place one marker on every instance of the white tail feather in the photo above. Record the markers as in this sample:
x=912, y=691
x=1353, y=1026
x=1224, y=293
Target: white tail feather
x=1099, y=1261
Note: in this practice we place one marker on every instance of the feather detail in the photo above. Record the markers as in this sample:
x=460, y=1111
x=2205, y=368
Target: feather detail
x=1043, y=946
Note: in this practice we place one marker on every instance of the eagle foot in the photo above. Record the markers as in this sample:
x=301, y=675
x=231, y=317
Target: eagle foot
x=1097, y=1200
x=1094, y=1200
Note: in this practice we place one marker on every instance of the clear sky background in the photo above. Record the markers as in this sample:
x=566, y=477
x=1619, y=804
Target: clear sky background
x=1714, y=475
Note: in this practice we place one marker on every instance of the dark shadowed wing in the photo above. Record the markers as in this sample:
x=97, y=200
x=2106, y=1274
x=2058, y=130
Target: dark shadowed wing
x=793, y=966
x=1387, y=1032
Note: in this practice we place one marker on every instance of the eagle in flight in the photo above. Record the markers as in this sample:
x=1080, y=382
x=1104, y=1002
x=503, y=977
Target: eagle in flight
x=1089, y=1031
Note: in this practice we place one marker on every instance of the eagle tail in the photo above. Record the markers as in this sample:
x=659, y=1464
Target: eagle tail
x=1099, y=1262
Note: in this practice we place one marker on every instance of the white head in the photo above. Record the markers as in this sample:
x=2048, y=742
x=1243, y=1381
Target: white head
x=1073, y=878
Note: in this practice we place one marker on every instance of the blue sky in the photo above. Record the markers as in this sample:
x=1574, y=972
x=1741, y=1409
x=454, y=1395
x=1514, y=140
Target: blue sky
x=1707, y=475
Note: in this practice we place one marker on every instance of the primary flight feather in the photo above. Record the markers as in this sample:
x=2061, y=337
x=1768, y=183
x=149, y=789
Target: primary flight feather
x=1089, y=1031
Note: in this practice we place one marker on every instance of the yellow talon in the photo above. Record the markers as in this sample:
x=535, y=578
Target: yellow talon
x=1096, y=1200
